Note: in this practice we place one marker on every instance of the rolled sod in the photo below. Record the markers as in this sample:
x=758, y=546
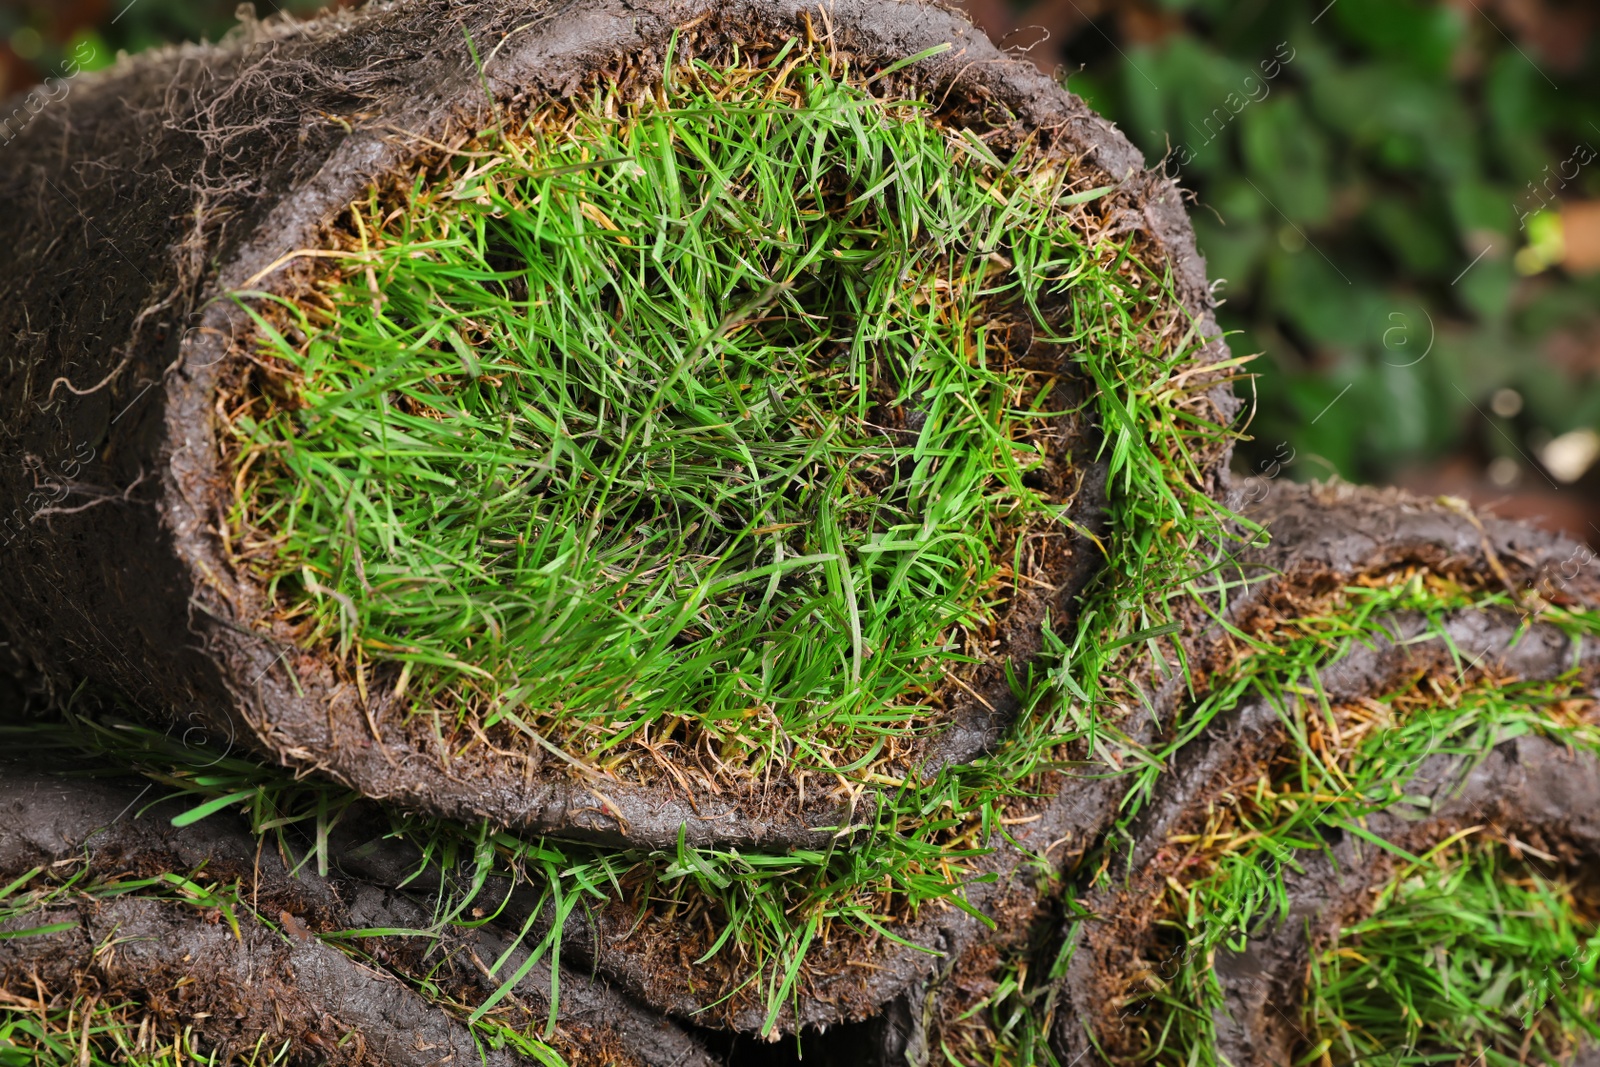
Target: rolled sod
x=661, y=425
x=1394, y=705
x=125, y=937
x=718, y=516
x=1389, y=708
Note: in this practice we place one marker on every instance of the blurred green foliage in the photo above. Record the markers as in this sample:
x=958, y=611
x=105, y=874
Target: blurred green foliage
x=1360, y=170
x=45, y=33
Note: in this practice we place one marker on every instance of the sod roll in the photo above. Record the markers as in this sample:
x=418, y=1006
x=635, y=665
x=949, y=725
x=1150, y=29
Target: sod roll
x=198, y=938
x=644, y=423
x=1384, y=741
x=1388, y=740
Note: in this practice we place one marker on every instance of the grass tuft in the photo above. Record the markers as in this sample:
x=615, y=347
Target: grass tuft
x=1339, y=763
x=1470, y=956
x=707, y=418
x=725, y=419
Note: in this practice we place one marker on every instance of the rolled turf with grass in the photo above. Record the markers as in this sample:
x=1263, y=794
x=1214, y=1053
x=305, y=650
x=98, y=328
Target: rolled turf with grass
x=656, y=424
x=1395, y=700
x=702, y=523
x=127, y=939
x=1387, y=708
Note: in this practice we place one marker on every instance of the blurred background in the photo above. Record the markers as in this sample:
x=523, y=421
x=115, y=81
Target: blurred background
x=1399, y=201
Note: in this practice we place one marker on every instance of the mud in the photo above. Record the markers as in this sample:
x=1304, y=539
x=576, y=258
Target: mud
x=191, y=172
